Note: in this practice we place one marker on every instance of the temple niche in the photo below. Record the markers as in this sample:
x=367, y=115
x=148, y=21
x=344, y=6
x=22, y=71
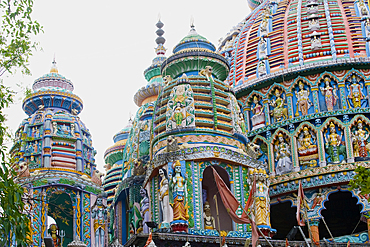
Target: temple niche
x=257, y=112
x=282, y=154
x=335, y=148
x=278, y=105
x=329, y=95
x=308, y=155
x=360, y=139
x=356, y=92
x=302, y=99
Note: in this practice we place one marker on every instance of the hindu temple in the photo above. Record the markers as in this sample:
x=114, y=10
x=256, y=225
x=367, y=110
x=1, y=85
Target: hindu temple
x=227, y=142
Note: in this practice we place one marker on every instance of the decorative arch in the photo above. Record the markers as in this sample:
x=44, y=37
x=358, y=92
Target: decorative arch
x=306, y=140
x=279, y=103
x=324, y=74
x=265, y=151
x=348, y=75
x=359, y=137
x=255, y=110
x=300, y=78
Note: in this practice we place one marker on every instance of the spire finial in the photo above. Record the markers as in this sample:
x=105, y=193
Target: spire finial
x=160, y=50
x=159, y=16
x=192, y=22
x=54, y=68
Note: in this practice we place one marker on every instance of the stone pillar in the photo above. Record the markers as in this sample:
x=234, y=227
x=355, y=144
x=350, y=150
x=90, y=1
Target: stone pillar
x=315, y=96
x=314, y=226
x=267, y=112
x=290, y=104
x=342, y=95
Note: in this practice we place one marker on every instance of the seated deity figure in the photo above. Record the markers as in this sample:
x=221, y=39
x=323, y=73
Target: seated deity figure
x=164, y=199
x=282, y=156
x=312, y=9
x=209, y=220
x=303, y=101
x=315, y=42
x=330, y=94
x=355, y=93
x=314, y=24
x=307, y=143
x=359, y=141
x=279, y=112
x=258, y=118
x=333, y=144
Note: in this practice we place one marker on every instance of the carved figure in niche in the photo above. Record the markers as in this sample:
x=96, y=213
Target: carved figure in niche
x=262, y=50
x=303, y=101
x=264, y=27
x=367, y=28
x=164, y=199
x=139, y=168
x=262, y=68
x=55, y=128
x=261, y=198
x=313, y=24
x=180, y=211
x=333, y=144
x=37, y=134
x=362, y=8
x=144, y=209
x=355, y=93
x=172, y=144
x=54, y=233
x=279, y=112
x=312, y=9
x=258, y=118
x=307, y=148
x=315, y=42
x=282, y=156
x=359, y=140
x=99, y=215
x=209, y=220
x=33, y=162
x=330, y=94
x=73, y=129
x=241, y=123
x=207, y=72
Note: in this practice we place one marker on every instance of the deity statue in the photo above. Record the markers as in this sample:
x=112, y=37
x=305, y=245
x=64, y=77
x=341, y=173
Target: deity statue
x=279, y=112
x=303, y=101
x=54, y=233
x=307, y=143
x=258, y=118
x=333, y=144
x=241, y=123
x=164, y=199
x=330, y=94
x=355, y=93
x=144, y=209
x=282, y=156
x=209, y=220
x=312, y=9
x=262, y=68
x=262, y=48
x=367, y=29
x=180, y=211
x=264, y=27
x=362, y=8
x=261, y=197
x=313, y=24
x=99, y=216
x=315, y=42
x=72, y=129
x=359, y=140
x=55, y=128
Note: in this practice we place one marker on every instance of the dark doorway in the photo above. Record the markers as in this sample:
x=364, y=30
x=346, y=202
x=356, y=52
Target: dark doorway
x=341, y=215
x=283, y=219
x=209, y=184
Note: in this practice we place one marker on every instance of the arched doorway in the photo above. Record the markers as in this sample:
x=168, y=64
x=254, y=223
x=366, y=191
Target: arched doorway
x=122, y=227
x=341, y=214
x=283, y=219
x=210, y=188
x=61, y=210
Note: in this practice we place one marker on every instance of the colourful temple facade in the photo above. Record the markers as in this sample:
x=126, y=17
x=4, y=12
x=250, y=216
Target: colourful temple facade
x=54, y=158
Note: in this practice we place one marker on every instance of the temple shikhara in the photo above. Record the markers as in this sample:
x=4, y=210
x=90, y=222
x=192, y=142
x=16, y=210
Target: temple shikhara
x=251, y=142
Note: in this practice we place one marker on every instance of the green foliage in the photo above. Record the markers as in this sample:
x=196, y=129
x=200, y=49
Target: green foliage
x=17, y=27
x=361, y=180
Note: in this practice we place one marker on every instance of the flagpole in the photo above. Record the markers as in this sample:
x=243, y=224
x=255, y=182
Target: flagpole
x=308, y=221
x=218, y=218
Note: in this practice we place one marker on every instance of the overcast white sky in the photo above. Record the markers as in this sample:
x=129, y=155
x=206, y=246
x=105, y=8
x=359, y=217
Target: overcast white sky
x=103, y=47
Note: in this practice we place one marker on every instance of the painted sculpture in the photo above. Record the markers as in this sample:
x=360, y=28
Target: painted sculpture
x=258, y=118
x=330, y=94
x=279, y=112
x=333, y=144
x=282, y=155
x=144, y=209
x=355, y=96
x=303, y=101
x=164, y=198
x=99, y=216
x=261, y=198
x=359, y=141
x=307, y=147
x=209, y=220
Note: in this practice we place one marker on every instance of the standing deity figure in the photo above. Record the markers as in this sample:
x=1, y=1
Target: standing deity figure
x=72, y=129
x=165, y=199
x=359, y=140
x=333, y=144
x=303, y=100
x=355, y=93
x=261, y=204
x=144, y=209
x=367, y=28
x=99, y=215
x=209, y=220
x=262, y=48
x=180, y=211
x=279, y=112
x=330, y=94
x=241, y=123
x=282, y=156
x=362, y=7
x=262, y=68
x=258, y=118
x=264, y=27
x=55, y=128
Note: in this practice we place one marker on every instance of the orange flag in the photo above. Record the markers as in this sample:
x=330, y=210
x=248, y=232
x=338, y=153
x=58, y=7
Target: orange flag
x=286, y=242
x=348, y=244
x=231, y=204
x=299, y=204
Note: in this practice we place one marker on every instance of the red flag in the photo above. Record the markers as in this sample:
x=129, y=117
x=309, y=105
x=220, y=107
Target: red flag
x=348, y=244
x=299, y=204
x=231, y=205
x=286, y=242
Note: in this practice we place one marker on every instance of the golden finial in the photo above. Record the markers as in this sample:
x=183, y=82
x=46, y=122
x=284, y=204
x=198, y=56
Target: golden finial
x=54, y=68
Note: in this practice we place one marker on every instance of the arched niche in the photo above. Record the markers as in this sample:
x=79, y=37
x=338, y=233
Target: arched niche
x=210, y=189
x=360, y=132
x=302, y=97
x=342, y=213
x=278, y=105
x=263, y=152
x=334, y=136
x=355, y=90
x=282, y=148
x=256, y=110
x=306, y=140
x=329, y=96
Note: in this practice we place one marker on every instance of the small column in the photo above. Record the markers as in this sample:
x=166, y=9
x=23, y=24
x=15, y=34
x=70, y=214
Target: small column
x=79, y=164
x=315, y=96
x=290, y=104
x=314, y=226
x=247, y=118
x=342, y=95
x=267, y=111
x=367, y=85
